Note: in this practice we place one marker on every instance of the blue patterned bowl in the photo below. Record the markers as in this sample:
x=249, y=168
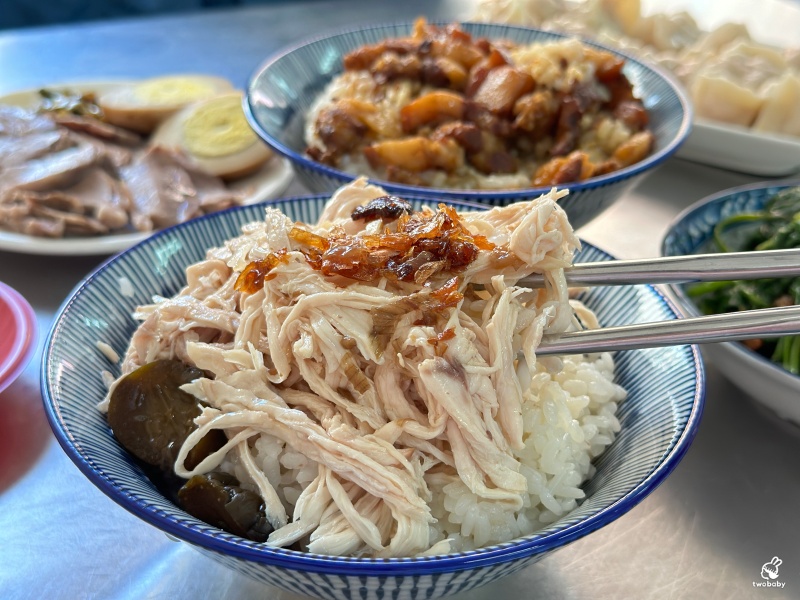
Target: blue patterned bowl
x=690, y=233
x=659, y=420
x=282, y=90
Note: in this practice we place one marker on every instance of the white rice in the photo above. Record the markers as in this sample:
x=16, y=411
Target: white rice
x=125, y=287
x=108, y=352
x=568, y=420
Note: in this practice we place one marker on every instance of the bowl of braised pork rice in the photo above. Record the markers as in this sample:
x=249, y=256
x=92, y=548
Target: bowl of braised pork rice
x=473, y=111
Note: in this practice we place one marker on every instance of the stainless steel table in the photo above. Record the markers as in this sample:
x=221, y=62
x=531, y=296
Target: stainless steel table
x=728, y=508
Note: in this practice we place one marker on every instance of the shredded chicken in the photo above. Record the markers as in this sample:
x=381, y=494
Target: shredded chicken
x=387, y=385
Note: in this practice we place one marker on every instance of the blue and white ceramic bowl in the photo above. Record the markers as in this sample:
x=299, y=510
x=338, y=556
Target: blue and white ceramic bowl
x=282, y=90
x=659, y=420
x=690, y=233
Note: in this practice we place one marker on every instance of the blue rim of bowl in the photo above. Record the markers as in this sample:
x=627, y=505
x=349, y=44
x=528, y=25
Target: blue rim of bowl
x=687, y=304
x=317, y=563
x=451, y=194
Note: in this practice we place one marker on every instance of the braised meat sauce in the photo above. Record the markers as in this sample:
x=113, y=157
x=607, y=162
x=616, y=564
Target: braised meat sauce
x=475, y=106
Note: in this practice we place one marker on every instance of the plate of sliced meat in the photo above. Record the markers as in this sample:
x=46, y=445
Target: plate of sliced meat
x=75, y=182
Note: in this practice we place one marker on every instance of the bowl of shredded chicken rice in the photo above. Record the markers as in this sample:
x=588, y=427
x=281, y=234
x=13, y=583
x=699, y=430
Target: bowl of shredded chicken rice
x=341, y=395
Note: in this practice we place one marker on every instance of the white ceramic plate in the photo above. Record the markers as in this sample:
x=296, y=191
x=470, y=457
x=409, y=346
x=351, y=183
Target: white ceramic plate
x=267, y=183
x=776, y=22
x=739, y=149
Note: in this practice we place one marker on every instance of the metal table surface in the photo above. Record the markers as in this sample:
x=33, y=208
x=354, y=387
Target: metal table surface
x=705, y=533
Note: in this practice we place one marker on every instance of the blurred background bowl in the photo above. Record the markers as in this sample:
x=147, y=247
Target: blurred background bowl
x=283, y=89
x=17, y=334
x=691, y=233
x=658, y=422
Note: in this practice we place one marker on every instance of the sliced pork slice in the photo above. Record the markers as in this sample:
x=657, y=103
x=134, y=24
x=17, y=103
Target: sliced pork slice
x=98, y=172
x=74, y=224
x=28, y=201
x=17, y=150
x=101, y=196
x=17, y=122
x=167, y=189
x=16, y=216
x=113, y=155
x=47, y=215
x=211, y=190
x=39, y=227
x=98, y=129
x=49, y=171
x=96, y=203
x=212, y=193
x=161, y=189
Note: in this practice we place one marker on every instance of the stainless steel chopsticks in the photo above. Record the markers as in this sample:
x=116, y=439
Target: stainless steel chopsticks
x=681, y=269
x=748, y=324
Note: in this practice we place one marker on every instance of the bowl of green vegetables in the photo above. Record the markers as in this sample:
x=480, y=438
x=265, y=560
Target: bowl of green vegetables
x=762, y=216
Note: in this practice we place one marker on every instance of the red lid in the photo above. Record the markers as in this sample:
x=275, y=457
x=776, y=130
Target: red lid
x=17, y=334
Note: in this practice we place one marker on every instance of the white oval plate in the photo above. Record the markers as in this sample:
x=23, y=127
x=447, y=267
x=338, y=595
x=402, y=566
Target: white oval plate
x=265, y=184
x=740, y=149
x=730, y=146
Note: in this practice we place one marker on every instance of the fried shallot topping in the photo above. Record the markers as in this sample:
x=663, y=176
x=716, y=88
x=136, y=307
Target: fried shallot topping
x=440, y=341
x=387, y=208
x=257, y=272
x=426, y=301
x=420, y=245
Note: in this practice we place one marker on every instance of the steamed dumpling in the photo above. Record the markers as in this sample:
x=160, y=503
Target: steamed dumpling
x=722, y=37
x=670, y=32
x=792, y=58
x=780, y=112
x=627, y=13
x=718, y=98
x=705, y=51
x=729, y=88
x=531, y=12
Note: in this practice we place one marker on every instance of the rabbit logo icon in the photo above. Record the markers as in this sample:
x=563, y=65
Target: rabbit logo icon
x=769, y=572
x=770, y=569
